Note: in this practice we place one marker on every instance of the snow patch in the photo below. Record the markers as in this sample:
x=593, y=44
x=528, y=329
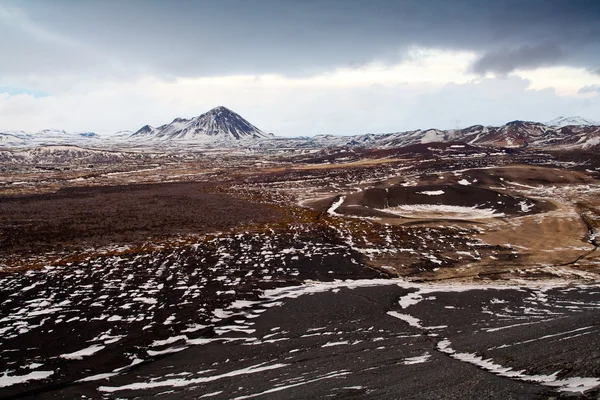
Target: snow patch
x=180, y=382
x=443, y=211
x=417, y=360
x=8, y=380
x=574, y=384
x=335, y=205
x=432, y=192
x=78, y=355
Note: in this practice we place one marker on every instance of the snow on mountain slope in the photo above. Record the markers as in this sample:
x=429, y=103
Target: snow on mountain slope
x=515, y=134
x=222, y=128
x=12, y=139
x=567, y=121
x=67, y=154
x=218, y=124
x=47, y=137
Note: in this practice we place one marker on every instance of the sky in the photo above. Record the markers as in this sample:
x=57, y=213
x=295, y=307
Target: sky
x=297, y=67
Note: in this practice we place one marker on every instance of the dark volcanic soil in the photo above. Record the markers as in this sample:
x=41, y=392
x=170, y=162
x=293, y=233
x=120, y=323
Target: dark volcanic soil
x=386, y=342
x=131, y=308
x=238, y=314
x=98, y=216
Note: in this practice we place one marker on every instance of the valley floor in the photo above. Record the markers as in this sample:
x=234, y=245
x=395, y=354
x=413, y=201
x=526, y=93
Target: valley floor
x=433, y=274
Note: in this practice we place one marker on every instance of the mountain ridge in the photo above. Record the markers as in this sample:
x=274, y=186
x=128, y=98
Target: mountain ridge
x=514, y=134
x=221, y=127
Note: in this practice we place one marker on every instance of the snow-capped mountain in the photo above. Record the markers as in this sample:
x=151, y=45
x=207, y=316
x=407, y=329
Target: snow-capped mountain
x=46, y=137
x=515, y=134
x=218, y=124
x=67, y=154
x=568, y=121
x=223, y=128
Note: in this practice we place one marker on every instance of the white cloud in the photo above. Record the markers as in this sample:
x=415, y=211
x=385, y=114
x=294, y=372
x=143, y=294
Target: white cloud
x=565, y=81
x=421, y=66
x=430, y=88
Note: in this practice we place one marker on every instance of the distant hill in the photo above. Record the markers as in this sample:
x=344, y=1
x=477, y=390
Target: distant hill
x=571, y=121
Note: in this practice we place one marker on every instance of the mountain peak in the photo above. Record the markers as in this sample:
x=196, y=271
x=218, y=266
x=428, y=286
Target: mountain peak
x=567, y=121
x=219, y=109
x=221, y=112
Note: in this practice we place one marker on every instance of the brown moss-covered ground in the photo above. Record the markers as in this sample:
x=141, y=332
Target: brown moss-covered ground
x=80, y=218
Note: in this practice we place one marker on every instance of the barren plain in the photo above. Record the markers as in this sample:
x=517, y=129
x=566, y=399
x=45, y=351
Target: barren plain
x=436, y=271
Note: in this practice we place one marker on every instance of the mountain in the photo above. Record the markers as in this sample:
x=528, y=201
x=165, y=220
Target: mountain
x=224, y=128
x=53, y=155
x=47, y=137
x=218, y=124
x=511, y=135
x=568, y=121
x=515, y=134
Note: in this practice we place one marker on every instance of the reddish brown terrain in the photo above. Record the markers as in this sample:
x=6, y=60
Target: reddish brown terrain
x=146, y=265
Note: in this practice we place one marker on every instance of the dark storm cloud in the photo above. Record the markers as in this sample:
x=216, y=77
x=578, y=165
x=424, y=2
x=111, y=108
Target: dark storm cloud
x=525, y=57
x=292, y=37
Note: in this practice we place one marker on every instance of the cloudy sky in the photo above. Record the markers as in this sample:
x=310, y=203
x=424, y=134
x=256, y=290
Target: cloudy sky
x=297, y=67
